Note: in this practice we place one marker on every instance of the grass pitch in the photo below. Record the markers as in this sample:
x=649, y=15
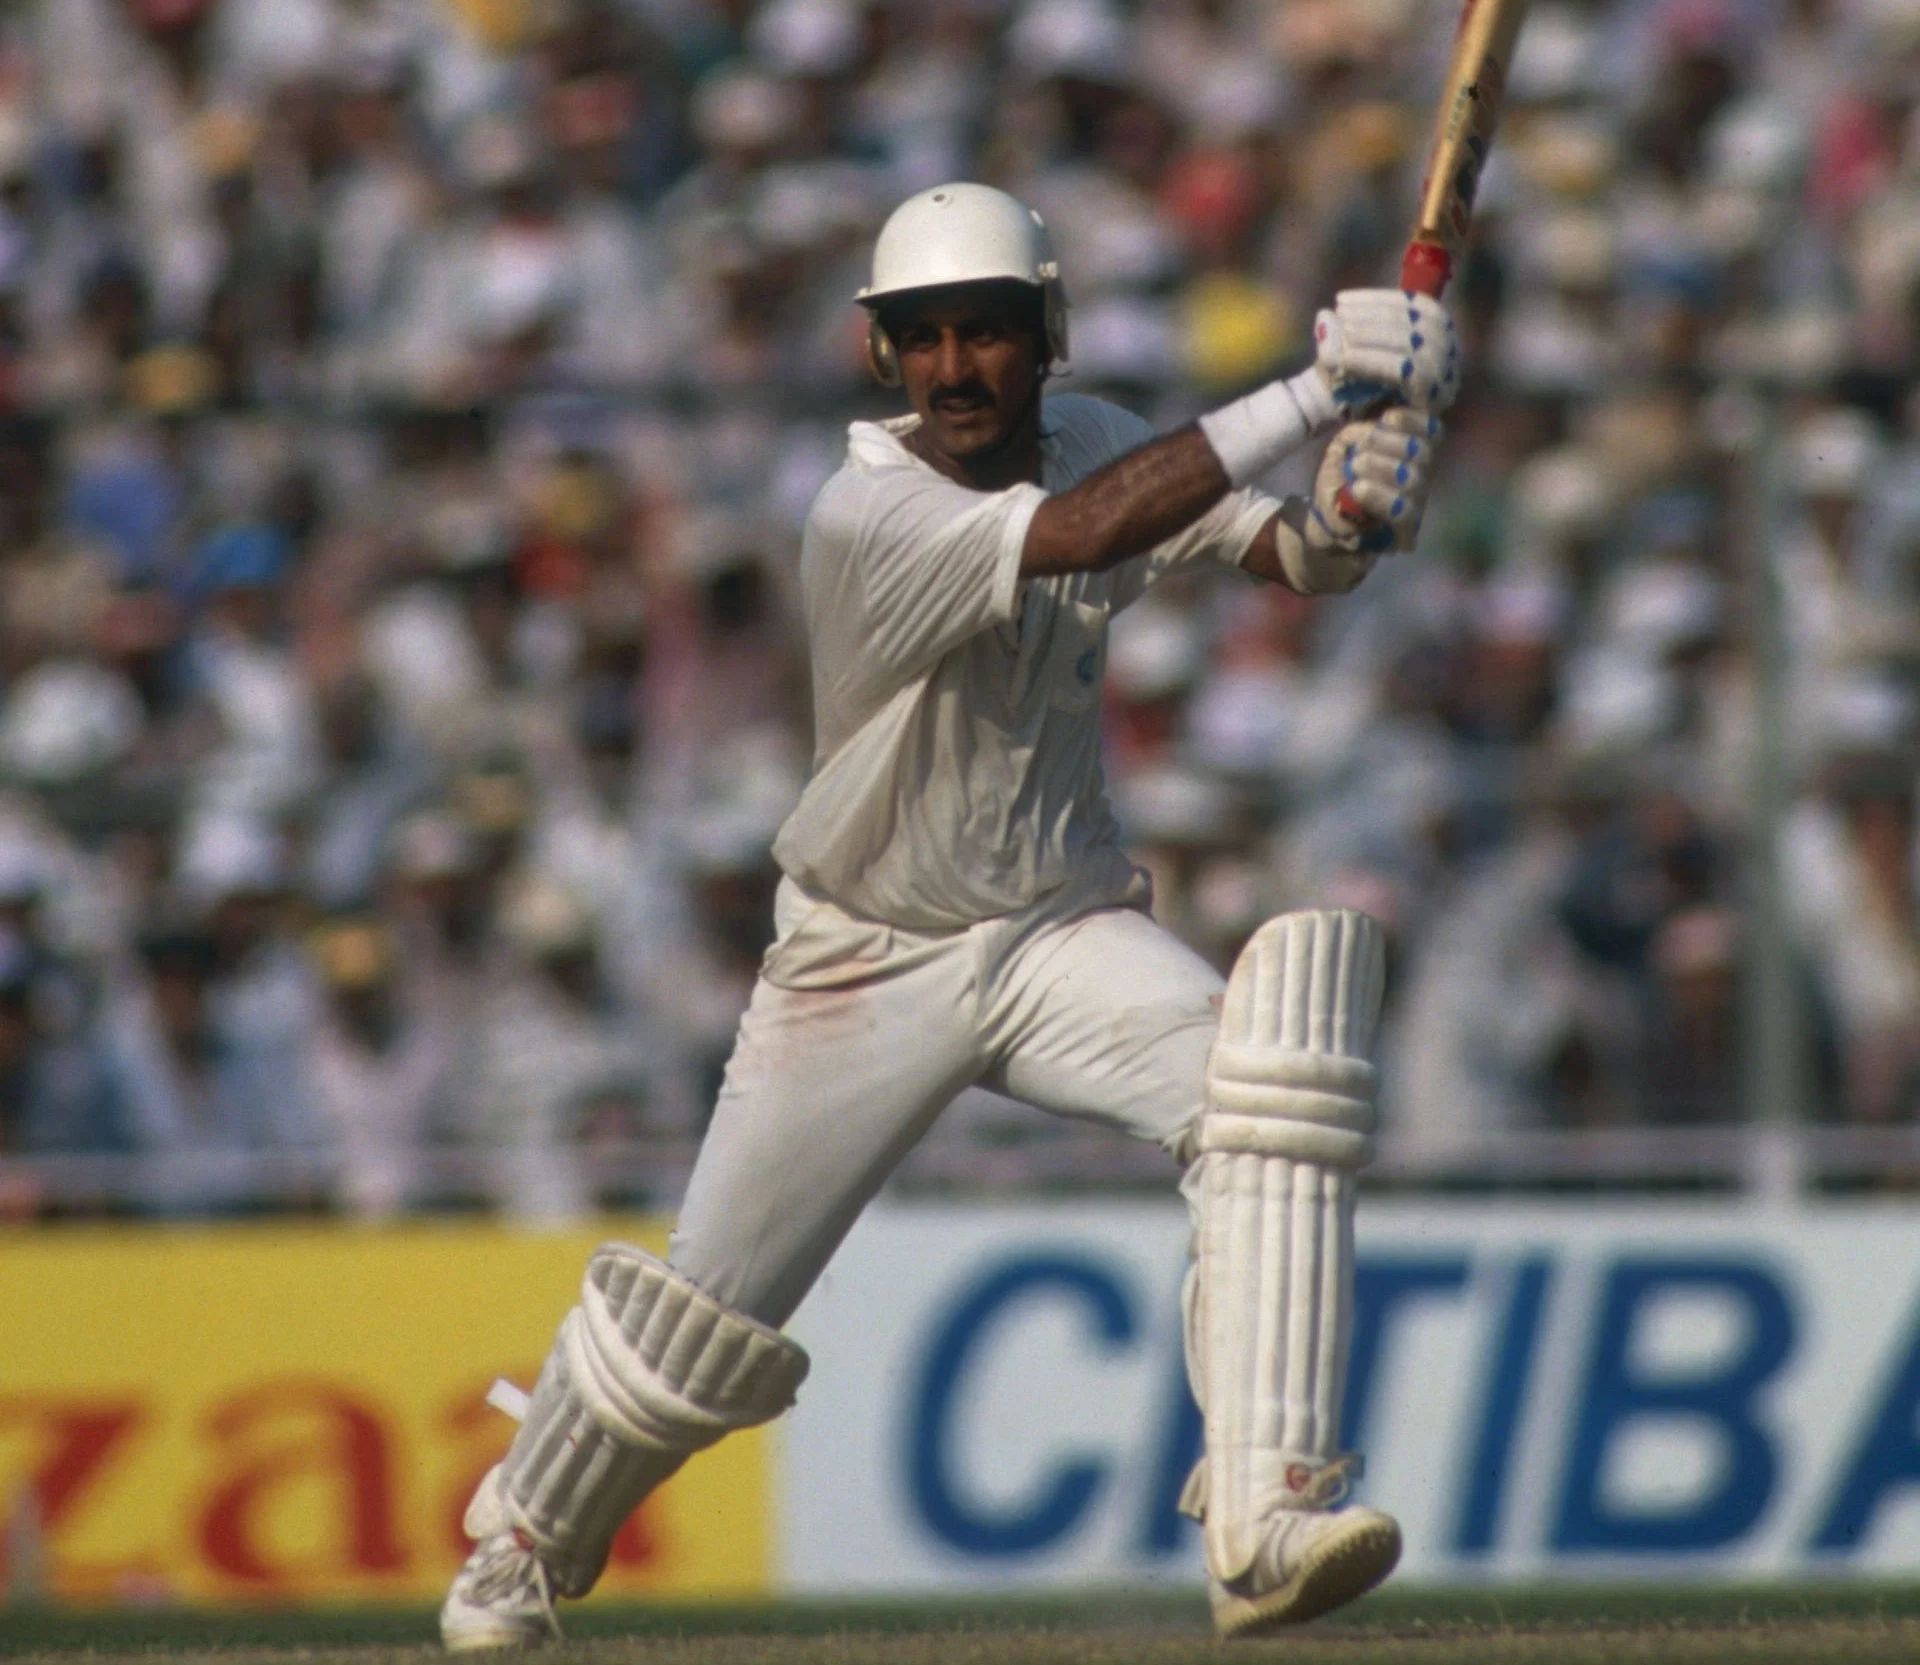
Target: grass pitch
x=1857, y=1625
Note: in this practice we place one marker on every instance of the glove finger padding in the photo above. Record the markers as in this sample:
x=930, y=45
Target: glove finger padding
x=1385, y=466
x=1387, y=344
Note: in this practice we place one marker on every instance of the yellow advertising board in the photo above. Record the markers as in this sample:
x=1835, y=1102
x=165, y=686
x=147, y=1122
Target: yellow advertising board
x=289, y=1414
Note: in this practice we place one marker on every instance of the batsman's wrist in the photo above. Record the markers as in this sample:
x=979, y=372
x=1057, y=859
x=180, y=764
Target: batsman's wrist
x=1315, y=394
x=1252, y=434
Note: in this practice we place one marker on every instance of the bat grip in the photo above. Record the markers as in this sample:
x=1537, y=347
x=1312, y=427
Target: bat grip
x=1424, y=270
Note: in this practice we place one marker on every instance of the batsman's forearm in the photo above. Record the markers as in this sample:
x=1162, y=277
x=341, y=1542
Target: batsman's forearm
x=1127, y=507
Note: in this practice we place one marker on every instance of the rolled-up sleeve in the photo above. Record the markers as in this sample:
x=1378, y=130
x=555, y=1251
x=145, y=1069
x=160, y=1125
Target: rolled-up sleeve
x=930, y=565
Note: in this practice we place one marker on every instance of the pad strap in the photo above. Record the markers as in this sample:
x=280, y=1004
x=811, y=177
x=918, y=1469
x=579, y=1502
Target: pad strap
x=1280, y=1101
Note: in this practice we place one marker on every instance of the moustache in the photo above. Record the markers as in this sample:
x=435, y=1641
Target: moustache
x=965, y=393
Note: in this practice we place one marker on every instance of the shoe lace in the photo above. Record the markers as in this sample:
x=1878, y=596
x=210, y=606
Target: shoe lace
x=1331, y=1484
x=513, y=1568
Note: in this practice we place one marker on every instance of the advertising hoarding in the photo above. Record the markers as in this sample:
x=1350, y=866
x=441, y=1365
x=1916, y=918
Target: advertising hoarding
x=1583, y=1391
x=274, y=1414
x=1542, y=1392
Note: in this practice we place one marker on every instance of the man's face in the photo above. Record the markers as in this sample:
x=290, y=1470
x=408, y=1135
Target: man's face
x=970, y=362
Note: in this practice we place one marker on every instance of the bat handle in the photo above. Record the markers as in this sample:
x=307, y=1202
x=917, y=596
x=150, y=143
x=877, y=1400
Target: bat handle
x=1424, y=270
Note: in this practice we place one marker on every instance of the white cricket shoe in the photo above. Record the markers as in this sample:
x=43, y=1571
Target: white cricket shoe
x=1310, y=1563
x=501, y=1598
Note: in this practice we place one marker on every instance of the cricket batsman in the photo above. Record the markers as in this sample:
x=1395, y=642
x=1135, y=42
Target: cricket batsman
x=957, y=909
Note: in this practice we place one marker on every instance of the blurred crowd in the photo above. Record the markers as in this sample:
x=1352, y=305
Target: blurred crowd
x=408, y=409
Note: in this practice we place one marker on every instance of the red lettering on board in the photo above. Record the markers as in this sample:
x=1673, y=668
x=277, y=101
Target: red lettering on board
x=637, y=1543
x=480, y=1427
x=80, y=1442
x=289, y=1434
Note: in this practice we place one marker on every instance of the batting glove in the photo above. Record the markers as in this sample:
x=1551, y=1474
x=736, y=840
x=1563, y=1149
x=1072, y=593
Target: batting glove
x=1384, y=467
x=1376, y=346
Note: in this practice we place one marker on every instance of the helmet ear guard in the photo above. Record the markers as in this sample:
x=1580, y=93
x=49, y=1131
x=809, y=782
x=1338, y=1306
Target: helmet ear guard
x=882, y=359
x=1053, y=313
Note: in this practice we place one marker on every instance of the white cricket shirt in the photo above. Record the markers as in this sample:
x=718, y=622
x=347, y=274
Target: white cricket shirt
x=956, y=707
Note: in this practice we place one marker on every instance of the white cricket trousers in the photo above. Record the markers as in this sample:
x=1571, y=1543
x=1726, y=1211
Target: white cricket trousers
x=1105, y=1017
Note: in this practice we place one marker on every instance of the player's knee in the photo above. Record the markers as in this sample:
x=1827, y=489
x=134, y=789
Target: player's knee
x=1289, y=1075
x=643, y=1326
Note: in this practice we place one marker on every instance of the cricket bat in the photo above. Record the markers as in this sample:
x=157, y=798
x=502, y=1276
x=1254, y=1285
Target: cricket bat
x=1462, y=136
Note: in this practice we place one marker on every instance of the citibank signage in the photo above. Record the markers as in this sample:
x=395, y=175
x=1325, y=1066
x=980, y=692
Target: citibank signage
x=1573, y=1393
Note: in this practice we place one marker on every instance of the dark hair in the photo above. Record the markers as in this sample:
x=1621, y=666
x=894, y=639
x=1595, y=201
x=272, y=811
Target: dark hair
x=1025, y=300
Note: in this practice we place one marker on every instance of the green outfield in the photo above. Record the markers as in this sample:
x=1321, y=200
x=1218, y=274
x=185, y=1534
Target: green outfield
x=1860, y=1625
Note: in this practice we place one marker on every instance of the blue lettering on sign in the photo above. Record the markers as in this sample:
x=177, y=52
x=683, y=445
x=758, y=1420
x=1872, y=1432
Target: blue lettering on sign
x=1888, y=1459
x=1720, y=1400
x=1059, y=1499
x=1381, y=1287
x=1489, y=1468
x=1163, y=1529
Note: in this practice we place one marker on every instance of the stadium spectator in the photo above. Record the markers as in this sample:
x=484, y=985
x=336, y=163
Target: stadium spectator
x=406, y=414
x=380, y=1071
x=1851, y=847
x=220, y=1114
x=552, y=1064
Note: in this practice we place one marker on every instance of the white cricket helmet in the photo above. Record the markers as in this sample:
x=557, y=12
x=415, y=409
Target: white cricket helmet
x=963, y=233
